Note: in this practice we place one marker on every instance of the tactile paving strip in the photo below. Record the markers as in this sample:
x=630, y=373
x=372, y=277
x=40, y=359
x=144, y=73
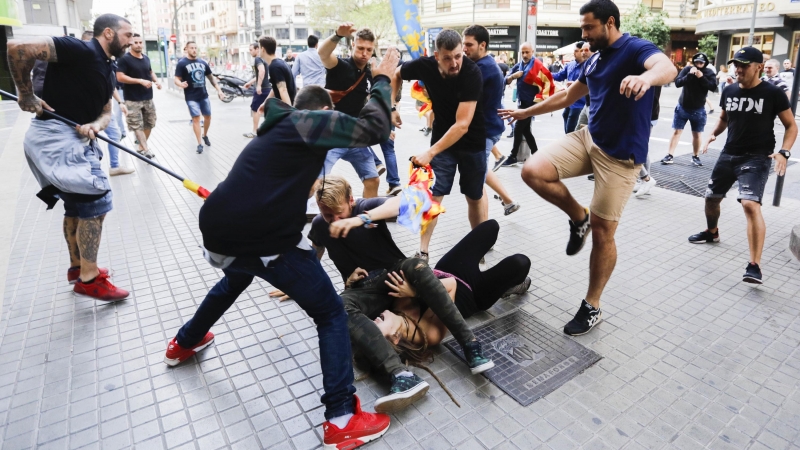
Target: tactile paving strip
x=531, y=358
x=684, y=177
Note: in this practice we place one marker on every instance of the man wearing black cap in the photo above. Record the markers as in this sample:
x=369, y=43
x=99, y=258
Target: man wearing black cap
x=697, y=80
x=749, y=108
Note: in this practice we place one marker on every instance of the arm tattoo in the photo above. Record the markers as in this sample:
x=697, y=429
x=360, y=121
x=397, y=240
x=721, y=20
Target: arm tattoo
x=22, y=54
x=89, y=232
x=105, y=116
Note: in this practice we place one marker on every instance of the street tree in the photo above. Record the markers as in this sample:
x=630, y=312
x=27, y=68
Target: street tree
x=375, y=14
x=708, y=45
x=646, y=23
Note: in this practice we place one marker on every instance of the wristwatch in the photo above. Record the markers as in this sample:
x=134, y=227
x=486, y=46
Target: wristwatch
x=786, y=153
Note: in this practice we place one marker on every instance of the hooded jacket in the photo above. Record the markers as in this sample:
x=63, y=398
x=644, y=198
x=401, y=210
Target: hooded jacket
x=260, y=208
x=695, y=90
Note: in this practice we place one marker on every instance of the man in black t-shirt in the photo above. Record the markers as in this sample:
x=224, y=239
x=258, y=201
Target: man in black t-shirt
x=263, y=87
x=137, y=78
x=455, y=85
x=190, y=75
x=280, y=75
x=749, y=108
x=348, y=80
x=64, y=160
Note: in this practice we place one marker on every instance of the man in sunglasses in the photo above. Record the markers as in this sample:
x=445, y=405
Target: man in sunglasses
x=613, y=147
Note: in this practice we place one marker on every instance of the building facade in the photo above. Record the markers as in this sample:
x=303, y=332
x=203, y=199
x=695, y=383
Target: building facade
x=557, y=24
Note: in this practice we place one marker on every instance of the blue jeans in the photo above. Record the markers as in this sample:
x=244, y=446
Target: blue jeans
x=392, y=175
x=696, y=117
x=113, y=132
x=570, y=116
x=299, y=274
x=362, y=159
x=118, y=113
x=199, y=107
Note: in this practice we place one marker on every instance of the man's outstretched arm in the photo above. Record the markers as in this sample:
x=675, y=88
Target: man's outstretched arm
x=22, y=55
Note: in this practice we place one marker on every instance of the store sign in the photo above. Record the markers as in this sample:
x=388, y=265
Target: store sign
x=541, y=32
x=498, y=31
x=734, y=9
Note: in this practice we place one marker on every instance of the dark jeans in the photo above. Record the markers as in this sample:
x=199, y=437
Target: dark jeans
x=570, y=116
x=751, y=171
x=299, y=274
x=370, y=297
x=392, y=175
x=523, y=129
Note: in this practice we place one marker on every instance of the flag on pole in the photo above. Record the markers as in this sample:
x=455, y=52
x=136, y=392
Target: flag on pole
x=407, y=21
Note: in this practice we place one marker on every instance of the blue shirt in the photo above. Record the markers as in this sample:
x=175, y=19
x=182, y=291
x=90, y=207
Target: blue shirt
x=525, y=92
x=310, y=67
x=571, y=72
x=620, y=126
x=493, y=84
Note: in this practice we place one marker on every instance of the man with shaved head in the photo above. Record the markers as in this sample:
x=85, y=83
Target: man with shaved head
x=526, y=93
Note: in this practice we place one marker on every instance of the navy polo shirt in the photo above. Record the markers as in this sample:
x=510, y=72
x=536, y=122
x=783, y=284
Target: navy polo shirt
x=493, y=84
x=620, y=126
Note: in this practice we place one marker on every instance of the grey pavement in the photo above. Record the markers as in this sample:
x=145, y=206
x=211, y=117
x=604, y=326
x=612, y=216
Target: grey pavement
x=692, y=358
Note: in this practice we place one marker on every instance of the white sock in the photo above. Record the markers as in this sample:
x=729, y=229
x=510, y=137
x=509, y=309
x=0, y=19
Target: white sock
x=405, y=373
x=341, y=421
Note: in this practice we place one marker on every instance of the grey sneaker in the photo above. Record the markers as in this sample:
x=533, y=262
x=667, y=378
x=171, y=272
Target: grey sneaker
x=499, y=163
x=518, y=289
x=200, y=148
x=205, y=139
x=510, y=208
x=475, y=360
x=404, y=391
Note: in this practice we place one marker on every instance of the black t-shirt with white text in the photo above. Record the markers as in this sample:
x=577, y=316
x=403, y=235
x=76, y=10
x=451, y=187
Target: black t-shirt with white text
x=279, y=71
x=751, y=117
x=194, y=72
x=446, y=94
x=367, y=248
x=138, y=68
x=341, y=78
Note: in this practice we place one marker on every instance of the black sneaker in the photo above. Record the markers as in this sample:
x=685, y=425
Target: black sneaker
x=585, y=319
x=427, y=132
x=404, y=391
x=669, y=159
x=752, y=274
x=499, y=163
x=511, y=135
x=704, y=237
x=590, y=177
x=510, y=162
x=475, y=360
x=519, y=289
x=696, y=161
x=199, y=148
x=205, y=139
x=578, y=232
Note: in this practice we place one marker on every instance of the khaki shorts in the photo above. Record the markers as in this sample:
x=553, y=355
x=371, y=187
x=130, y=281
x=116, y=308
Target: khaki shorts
x=576, y=155
x=141, y=115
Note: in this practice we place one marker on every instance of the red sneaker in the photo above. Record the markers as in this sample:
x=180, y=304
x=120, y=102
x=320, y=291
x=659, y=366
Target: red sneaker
x=177, y=354
x=100, y=289
x=363, y=427
x=75, y=272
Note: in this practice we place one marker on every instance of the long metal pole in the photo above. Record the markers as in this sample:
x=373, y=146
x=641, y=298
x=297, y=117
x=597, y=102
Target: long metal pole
x=176, y=25
x=257, y=11
x=776, y=197
x=753, y=23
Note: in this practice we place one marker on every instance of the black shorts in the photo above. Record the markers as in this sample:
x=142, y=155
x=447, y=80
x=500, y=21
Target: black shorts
x=751, y=171
x=471, y=168
x=258, y=100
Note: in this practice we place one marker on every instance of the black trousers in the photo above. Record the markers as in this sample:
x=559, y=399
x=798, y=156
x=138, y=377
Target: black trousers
x=523, y=129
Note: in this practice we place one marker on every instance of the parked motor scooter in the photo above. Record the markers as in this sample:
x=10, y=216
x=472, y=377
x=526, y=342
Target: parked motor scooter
x=233, y=87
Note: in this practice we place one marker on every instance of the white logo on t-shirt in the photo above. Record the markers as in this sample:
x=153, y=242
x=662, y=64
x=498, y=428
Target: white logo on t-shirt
x=736, y=104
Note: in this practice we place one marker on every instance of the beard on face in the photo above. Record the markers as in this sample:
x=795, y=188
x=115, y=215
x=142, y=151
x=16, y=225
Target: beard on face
x=600, y=42
x=116, y=48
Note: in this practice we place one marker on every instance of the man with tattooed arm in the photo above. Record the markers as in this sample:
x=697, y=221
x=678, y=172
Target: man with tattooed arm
x=64, y=160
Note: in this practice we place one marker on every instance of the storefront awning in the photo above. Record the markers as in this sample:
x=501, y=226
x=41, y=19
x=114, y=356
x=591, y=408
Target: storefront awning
x=568, y=50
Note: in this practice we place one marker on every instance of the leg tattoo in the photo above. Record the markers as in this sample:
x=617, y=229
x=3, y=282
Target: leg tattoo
x=89, y=232
x=71, y=236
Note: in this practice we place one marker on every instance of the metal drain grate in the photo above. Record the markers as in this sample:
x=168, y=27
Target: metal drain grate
x=531, y=359
x=684, y=177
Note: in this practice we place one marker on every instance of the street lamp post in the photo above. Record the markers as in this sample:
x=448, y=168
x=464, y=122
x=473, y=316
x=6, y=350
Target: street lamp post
x=289, y=22
x=257, y=11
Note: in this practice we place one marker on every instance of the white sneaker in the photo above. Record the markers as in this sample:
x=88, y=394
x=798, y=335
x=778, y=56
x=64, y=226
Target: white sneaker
x=638, y=185
x=121, y=171
x=644, y=189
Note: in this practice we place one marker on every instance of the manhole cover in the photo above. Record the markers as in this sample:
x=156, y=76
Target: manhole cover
x=684, y=177
x=531, y=359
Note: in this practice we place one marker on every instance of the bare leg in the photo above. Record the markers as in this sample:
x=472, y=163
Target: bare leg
x=477, y=210
x=494, y=182
x=756, y=229
x=256, y=117
x=696, y=138
x=496, y=153
x=371, y=187
x=141, y=136
x=425, y=239
x=196, y=128
x=147, y=132
x=206, y=124
x=673, y=141
x=712, y=213
x=89, y=232
x=541, y=175
x=70, y=234
x=603, y=258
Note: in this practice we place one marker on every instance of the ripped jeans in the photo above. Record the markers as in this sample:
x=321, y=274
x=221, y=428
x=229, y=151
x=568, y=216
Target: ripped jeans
x=751, y=171
x=370, y=298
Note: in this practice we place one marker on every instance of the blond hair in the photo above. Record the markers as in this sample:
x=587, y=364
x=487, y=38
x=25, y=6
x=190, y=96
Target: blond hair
x=334, y=191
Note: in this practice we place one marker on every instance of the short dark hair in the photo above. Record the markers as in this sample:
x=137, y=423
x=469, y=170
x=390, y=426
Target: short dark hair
x=602, y=9
x=365, y=34
x=269, y=44
x=479, y=32
x=447, y=39
x=312, y=41
x=137, y=35
x=112, y=21
x=186, y=45
x=579, y=44
x=313, y=97
x=254, y=45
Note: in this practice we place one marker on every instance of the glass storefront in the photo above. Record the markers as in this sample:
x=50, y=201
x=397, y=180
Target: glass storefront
x=761, y=41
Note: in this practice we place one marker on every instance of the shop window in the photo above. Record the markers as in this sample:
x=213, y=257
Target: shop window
x=276, y=10
x=556, y=4
x=301, y=33
x=492, y=4
x=299, y=10
x=795, y=45
x=654, y=4
x=442, y=5
x=281, y=33
x=761, y=41
x=41, y=12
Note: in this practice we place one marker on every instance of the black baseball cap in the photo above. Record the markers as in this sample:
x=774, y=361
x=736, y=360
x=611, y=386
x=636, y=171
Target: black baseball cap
x=747, y=55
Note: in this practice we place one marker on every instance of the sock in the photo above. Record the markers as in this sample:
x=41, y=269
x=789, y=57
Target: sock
x=404, y=373
x=341, y=421
x=89, y=281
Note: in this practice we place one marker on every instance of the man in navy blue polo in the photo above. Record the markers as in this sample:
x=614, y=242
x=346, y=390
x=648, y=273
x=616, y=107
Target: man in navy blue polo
x=570, y=73
x=613, y=147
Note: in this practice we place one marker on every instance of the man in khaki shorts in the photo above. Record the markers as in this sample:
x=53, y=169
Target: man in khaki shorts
x=614, y=145
x=137, y=78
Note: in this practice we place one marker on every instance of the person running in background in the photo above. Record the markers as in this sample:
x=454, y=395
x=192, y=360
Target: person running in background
x=280, y=75
x=309, y=66
x=262, y=90
x=137, y=78
x=697, y=80
x=190, y=75
x=749, y=109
